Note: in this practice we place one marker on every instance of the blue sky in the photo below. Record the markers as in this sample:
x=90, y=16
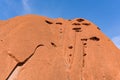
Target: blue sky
x=104, y=13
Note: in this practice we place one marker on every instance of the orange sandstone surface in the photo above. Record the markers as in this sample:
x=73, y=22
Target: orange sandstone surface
x=39, y=48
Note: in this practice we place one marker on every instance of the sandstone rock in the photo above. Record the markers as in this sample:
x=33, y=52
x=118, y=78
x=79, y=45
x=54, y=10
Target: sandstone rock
x=39, y=48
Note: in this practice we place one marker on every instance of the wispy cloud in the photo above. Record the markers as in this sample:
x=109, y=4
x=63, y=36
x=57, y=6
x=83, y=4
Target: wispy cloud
x=26, y=6
x=116, y=41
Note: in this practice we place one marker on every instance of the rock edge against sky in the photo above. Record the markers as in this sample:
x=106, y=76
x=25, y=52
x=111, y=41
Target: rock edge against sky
x=39, y=48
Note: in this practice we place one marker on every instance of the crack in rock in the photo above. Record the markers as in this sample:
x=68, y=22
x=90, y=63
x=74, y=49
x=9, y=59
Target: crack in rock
x=12, y=56
x=21, y=63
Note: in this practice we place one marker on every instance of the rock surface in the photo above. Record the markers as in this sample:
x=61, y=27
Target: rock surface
x=39, y=48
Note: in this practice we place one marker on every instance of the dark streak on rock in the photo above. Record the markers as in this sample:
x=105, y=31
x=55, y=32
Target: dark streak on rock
x=87, y=24
x=94, y=38
x=59, y=23
x=77, y=29
x=98, y=28
x=48, y=22
x=80, y=20
x=84, y=39
x=76, y=24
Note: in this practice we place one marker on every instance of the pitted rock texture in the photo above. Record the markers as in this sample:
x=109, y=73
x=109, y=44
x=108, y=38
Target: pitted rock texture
x=39, y=48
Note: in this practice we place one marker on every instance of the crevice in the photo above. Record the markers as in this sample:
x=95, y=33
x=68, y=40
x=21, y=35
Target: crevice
x=98, y=28
x=70, y=47
x=83, y=65
x=84, y=54
x=80, y=20
x=94, y=38
x=59, y=23
x=12, y=56
x=76, y=24
x=84, y=39
x=77, y=29
x=86, y=24
x=53, y=44
x=84, y=43
x=48, y=22
x=22, y=63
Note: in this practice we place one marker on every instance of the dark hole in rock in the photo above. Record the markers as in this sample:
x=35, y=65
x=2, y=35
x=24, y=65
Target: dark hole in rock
x=84, y=43
x=70, y=47
x=70, y=54
x=59, y=23
x=98, y=28
x=53, y=44
x=60, y=31
x=84, y=54
x=87, y=24
x=48, y=22
x=84, y=39
x=94, y=38
x=80, y=20
x=76, y=24
x=77, y=29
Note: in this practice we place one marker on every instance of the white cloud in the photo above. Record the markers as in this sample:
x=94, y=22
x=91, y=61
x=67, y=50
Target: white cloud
x=26, y=6
x=116, y=41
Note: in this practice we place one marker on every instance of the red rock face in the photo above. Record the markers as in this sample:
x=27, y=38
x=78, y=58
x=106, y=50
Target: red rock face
x=39, y=48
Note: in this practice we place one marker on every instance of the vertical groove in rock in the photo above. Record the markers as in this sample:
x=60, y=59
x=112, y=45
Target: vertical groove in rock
x=83, y=57
x=22, y=63
x=69, y=49
x=72, y=57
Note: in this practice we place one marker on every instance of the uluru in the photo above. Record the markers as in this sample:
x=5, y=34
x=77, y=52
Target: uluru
x=36, y=47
